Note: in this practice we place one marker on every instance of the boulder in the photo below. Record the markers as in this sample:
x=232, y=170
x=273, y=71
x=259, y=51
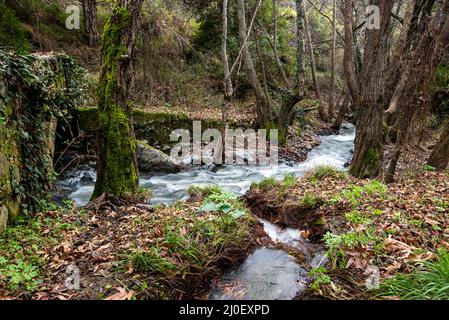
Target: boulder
x=150, y=159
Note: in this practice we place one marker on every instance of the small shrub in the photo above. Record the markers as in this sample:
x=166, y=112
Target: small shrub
x=310, y=201
x=198, y=191
x=289, y=181
x=322, y=172
x=265, y=184
x=319, y=277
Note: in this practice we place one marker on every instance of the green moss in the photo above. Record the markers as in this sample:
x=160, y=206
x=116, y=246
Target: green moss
x=118, y=146
x=369, y=167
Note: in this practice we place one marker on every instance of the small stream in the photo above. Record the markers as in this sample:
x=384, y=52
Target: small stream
x=267, y=273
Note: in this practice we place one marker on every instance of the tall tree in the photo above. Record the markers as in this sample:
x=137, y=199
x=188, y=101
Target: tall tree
x=368, y=153
x=316, y=85
x=263, y=107
x=300, y=80
x=117, y=171
x=295, y=89
x=91, y=22
x=348, y=58
x=275, y=46
x=411, y=99
x=227, y=81
x=333, y=61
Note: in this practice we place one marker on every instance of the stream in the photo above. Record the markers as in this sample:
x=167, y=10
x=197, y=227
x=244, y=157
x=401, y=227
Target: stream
x=267, y=273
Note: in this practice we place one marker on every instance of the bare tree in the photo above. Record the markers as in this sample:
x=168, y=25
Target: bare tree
x=322, y=113
x=263, y=107
x=333, y=60
x=412, y=96
x=275, y=46
x=348, y=59
x=368, y=153
x=227, y=81
x=300, y=80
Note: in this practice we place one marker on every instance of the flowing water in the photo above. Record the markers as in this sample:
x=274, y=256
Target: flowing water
x=267, y=273
x=335, y=150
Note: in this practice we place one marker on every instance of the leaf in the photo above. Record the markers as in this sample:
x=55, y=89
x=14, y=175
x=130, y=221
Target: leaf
x=122, y=294
x=238, y=213
x=225, y=208
x=208, y=207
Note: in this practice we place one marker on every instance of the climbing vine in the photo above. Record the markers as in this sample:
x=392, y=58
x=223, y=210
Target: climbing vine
x=35, y=90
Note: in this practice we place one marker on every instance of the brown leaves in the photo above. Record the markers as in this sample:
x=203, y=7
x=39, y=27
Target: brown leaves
x=122, y=294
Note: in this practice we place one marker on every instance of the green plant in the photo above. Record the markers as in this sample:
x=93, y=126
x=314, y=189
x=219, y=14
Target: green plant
x=197, y=191
x=223, y=202
x=319, y=278
x=375, y=187
x=12, y=33
x=265, y=184
x=45, y=89
x=20, y=273
x=338, y=244
x=322, y=172
x=151, y=262
x=310, y=201
x=427, y=283
x=289, y=181
x=357, y=217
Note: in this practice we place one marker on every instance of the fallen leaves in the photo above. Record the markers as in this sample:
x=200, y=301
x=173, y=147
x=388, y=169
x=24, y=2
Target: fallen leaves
x=122, y=294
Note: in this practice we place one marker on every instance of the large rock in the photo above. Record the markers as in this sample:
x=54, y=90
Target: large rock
x=153, y=160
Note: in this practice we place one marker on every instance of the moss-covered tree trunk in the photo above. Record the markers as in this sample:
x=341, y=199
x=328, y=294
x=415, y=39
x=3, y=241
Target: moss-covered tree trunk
x=117, y=171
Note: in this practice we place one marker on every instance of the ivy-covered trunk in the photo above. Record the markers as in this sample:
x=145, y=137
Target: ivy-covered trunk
x=117, y=171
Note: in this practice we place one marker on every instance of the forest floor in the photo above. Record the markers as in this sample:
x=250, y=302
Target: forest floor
x=127, y=252
x=139, y=252
x=364, y=224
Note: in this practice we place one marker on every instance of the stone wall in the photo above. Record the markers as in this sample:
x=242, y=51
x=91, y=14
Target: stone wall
x=9, y=169
x=28, y=111
x=153, y=127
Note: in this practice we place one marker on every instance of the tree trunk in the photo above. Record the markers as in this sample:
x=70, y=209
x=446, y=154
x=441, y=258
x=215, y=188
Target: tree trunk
x=117, y=171
x=300, y=80
x=412, y=96
x=263, y=108
x=341, y=114
x=296, y=94
x=333, y=60
x=227, y=81
x=348, y=58
x=368, y=153
x=398, y=55
x=275, y=46
x=91, y=22
x=440, y=155
x=322, y=113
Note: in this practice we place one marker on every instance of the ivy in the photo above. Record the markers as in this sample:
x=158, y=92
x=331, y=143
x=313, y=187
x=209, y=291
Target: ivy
x=37, y=89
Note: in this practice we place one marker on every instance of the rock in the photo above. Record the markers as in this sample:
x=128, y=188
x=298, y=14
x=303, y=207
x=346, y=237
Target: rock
x=152, y=160
x=211, y=167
